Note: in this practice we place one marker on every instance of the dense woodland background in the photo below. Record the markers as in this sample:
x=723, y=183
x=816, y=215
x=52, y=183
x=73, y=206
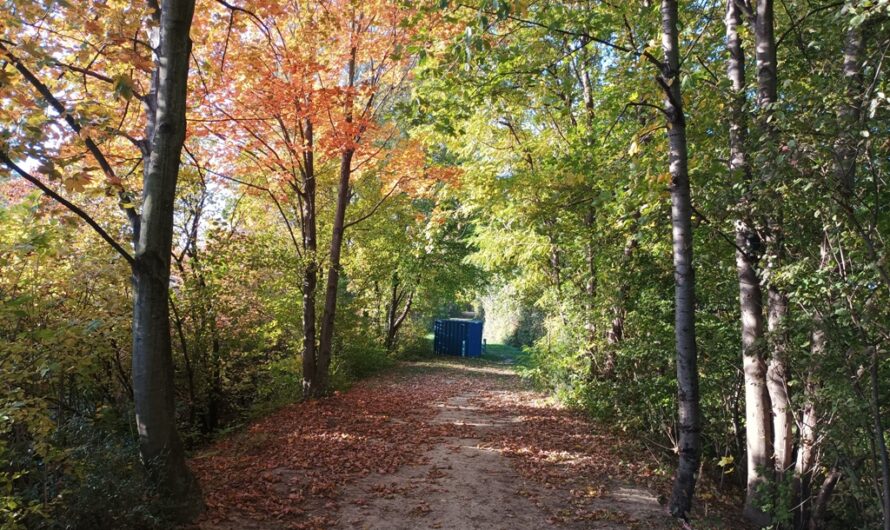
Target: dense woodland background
x=340, y=173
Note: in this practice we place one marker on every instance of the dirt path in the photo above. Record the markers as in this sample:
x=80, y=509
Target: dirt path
x=430, y=445
x=464, y=483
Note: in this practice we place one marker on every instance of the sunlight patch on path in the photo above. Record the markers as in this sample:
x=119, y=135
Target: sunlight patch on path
x=477, y=369
x=467, y=484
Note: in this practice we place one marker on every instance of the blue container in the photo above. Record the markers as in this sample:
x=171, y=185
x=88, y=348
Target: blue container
x=458, y=336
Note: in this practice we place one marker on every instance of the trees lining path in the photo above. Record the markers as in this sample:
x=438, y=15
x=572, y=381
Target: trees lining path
x=445, y=443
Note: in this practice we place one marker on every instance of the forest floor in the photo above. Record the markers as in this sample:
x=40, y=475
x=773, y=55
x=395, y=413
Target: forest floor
x=443, y=443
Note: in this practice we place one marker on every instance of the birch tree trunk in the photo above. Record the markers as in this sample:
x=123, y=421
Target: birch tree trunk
x=758, y=430
x=777, y=310
x=777, y=378
x=806, y=450
x=684, y=275
x=153, y=390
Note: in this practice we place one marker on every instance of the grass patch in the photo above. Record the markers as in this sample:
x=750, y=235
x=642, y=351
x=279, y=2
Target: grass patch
x=506, y=354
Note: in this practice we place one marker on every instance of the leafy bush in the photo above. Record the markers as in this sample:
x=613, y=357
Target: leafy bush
x=356, y=360
x=279, y=382
x=415, y=340
x=105, y=486
x=88, y=476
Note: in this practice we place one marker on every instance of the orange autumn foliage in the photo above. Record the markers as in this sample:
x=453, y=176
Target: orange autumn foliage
x=275, y=87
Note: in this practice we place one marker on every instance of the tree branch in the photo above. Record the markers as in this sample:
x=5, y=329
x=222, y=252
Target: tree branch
x=659, y=108
x=95, y=75
x=67, y=204
x=375, y=208
x=257, y=20
x=54, y=102
x=254, y=186
x=794, y=24
x=582, y=34
x=720, y=232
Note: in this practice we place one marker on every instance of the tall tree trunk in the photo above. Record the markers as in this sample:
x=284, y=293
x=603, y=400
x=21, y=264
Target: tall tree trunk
x=684, y=275
x=806, y=450
x=395, y=299
x=777, y=299
x=846, y=153
x=777, y=379
x=310, y=346
x=758, y=430
x=849, y=112
x=309, y=224
x=153, y=390
x=805, y=463
x=325, y=343
x=590, y=288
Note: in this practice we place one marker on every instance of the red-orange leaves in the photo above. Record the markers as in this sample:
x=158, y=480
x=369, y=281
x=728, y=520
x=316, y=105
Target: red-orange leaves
x=287, y=86
x=298, y=457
